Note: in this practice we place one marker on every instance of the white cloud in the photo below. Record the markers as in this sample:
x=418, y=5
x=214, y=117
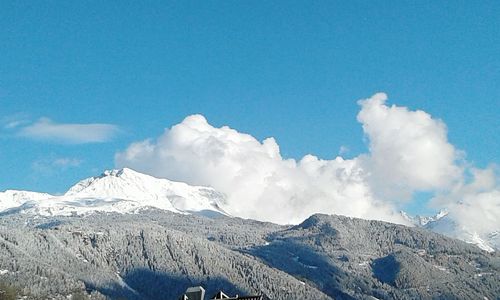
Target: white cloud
x=46, y=129
x=474, y=205
x=259, y=183
x=409, y=150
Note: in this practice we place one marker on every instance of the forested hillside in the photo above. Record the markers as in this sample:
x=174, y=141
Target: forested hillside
x=158, y=254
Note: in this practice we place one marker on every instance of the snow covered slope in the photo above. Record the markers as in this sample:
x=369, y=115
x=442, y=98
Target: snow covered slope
x=14, y=198
x=443, y=224
x=449, y=227
x=122, y=191
x=421, y=221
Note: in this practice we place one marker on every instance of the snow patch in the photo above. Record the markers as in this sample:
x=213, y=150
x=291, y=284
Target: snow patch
x=441, y=268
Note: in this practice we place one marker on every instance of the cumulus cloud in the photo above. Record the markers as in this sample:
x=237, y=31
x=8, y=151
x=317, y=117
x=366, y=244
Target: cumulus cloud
x=409, y=150
x=258, y=182
x=46, y=129
x=474, y=205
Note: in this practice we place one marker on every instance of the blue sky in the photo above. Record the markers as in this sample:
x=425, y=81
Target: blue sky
x=292, y=70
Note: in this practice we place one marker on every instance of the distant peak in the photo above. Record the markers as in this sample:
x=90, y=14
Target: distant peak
x=120, y=172
x=419, y=220
x=126, y=174
x=14, y=192
x=442, y=213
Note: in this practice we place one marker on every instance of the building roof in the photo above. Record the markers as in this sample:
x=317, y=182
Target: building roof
x=195, y=289
x=222, y=295
x=219, y=295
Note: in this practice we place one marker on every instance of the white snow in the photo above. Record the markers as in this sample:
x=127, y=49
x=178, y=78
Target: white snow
x=441, y=268
x=421, y=252
x=442, y=224
x=450, y=228
x=128, y=191
x=124, y=284
x=14, y=198
x=482, y=274
x=121, y=191
x=421, y=221
x=3, y=272
x=478, y=241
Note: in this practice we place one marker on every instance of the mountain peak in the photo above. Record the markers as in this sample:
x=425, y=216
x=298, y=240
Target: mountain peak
x=119, y=190
x=123, y=179
x=421, y=221
x=120, y=172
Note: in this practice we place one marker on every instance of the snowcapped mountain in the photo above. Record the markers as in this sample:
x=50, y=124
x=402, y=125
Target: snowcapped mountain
x=421, y=221
x=443, y=224
x=128, y=191
x=122, y=191
x=14, y=198
x=449, y=227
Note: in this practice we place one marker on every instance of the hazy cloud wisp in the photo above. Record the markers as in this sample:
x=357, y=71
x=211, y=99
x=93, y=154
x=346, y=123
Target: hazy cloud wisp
x=46, y=129
x=48, y=166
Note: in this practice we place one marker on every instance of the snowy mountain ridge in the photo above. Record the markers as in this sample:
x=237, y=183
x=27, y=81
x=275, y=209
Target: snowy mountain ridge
x=122, y=191
x=421, y=221
x=443, y=224
x=127, y=191
x=13, y=198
